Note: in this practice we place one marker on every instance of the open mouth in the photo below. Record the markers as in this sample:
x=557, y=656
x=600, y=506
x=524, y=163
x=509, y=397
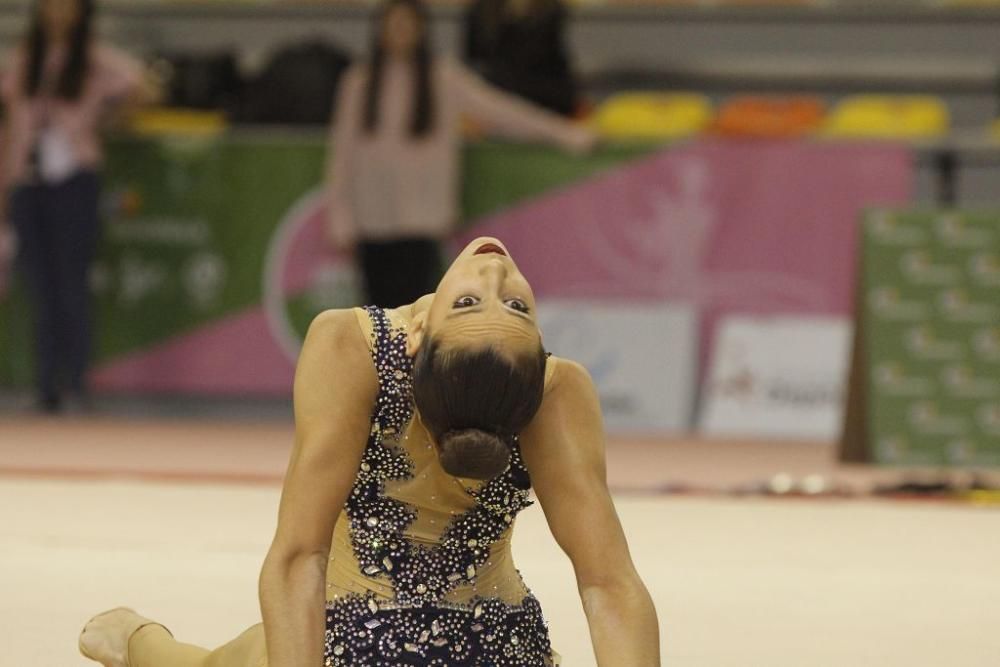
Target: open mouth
x=487, y=248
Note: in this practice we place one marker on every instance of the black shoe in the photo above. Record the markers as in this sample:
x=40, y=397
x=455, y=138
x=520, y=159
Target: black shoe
x=48, y=405
x=80, y=405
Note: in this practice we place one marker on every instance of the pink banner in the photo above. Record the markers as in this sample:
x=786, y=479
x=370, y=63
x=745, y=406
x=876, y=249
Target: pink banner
x=237, y=355
x=749, y=227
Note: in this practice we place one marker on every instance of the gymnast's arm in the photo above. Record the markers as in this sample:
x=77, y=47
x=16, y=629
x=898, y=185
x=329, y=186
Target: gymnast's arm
x=564, y=450
x=335, y=389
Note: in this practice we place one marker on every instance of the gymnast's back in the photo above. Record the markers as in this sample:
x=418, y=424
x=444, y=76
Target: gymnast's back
x=420, y=569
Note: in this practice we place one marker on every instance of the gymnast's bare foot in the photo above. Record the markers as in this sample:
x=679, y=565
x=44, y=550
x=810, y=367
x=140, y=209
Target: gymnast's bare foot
x=105, y=637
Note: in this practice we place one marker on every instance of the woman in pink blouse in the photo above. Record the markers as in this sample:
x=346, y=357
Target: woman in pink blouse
x=394, y=169
x=56, y=88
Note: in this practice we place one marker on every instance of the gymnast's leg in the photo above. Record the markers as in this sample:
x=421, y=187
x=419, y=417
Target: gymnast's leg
x=122, y=638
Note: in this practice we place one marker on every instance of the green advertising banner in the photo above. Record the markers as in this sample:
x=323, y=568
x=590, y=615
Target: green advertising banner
x=191, y=226
x=931, y=337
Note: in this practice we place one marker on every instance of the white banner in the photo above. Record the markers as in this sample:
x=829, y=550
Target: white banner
x=779, y=377
x=642, y=358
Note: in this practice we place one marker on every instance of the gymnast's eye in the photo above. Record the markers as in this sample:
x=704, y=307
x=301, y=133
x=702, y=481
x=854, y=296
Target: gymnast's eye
x=465, y=302
x=518, y=305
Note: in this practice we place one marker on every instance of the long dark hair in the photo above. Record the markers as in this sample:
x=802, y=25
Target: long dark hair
x=422, y=120
x=474, y=402
x=74, y=73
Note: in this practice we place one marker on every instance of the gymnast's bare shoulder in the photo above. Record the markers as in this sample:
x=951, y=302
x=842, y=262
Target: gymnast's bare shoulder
x=335, y=378
x=567, y=433
x=565, y=379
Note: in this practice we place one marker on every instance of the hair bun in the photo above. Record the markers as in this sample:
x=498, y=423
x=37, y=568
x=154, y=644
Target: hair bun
x=474, y=453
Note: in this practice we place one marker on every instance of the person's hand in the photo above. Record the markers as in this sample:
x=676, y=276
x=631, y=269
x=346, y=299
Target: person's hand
x=340, y=233
x=343, y=248
x=342, y=244
x=580, y=140
x=153, y=89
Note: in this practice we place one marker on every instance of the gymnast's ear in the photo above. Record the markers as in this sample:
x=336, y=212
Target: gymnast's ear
x=416, y=333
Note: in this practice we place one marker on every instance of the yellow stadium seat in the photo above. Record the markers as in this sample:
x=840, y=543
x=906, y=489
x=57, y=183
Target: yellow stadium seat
x=653, y=115
x=971, y=3
x=889, y=117
x=176, y=121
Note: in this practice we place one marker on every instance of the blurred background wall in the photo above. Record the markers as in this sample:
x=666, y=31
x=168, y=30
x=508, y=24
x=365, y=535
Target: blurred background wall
x=744, y=143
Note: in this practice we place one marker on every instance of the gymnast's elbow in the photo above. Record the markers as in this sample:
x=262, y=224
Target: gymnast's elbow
x=285, y=566
x=615, y=589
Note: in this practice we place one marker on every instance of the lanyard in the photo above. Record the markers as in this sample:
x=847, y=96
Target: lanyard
x=43, y=104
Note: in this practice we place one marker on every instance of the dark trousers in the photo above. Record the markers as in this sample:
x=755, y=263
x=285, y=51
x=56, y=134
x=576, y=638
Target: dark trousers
x=399, y=272
x=58, y=229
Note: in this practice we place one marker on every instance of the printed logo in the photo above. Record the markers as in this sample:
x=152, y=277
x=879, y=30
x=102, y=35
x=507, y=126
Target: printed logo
x=923, y=344
x=920, y=269
x=985, y=269
x=892, y=448
x=960, y=451
x=139, y=278
x=162, y=231
x=961, y=381
x=888, y=305
x=986, y=343
x=739, y=384
x=121, y=202
x=957, y=307
x=204, y=276
x=988, y=418
x=954, y=231
x=156, y=256
x=665, y=246
x=891, y=379
x=805, y=392
x=888, y=230
x=926, y=419
x=801, y=391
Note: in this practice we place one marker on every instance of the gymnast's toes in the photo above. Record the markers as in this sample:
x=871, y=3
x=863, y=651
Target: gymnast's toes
x=105, y=637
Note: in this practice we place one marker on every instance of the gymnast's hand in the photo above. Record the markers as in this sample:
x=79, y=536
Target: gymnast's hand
x=564, y=449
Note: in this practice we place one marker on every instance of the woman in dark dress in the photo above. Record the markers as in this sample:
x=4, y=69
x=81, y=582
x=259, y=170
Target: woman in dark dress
x=519, y=46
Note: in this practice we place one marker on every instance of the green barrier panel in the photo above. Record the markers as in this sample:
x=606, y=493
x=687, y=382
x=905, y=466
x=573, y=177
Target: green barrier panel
x=931, y=337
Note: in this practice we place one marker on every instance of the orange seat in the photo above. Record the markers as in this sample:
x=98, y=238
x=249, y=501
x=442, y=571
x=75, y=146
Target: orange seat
x=754, y=116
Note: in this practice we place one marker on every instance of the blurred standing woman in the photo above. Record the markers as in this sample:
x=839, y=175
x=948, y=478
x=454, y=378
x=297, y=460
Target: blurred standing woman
x=395, y=152
x=56, y=88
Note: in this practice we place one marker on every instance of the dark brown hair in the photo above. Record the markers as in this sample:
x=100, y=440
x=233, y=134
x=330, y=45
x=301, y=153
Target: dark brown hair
x=422, y=119
x=474, y=402
x=74, y=72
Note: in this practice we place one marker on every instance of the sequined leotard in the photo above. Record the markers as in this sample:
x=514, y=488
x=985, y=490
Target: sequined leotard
x=421, y=570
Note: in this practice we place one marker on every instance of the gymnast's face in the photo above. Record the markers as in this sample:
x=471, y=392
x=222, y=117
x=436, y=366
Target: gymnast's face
x=482, y=300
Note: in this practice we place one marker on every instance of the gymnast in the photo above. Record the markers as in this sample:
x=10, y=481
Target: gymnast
x=420, y=433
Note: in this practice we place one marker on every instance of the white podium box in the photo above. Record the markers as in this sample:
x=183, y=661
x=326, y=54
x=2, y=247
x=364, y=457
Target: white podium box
x=777, y=377
x=642, y=356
